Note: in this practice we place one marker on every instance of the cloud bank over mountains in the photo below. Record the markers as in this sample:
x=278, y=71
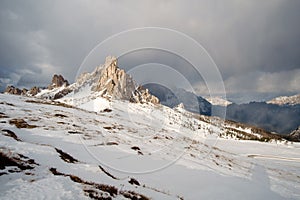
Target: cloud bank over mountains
x=255, y=44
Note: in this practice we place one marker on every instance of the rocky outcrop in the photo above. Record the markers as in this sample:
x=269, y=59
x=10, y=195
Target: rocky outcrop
x=142, y=95
x=58, y=81
x=114, y=82
x=34, y=91
x=13, y=90
x=16, y=91
x=62, y=93
x=295, y=135
x=24, y=91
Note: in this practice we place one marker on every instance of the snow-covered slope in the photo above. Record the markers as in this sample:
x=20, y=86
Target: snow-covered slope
x=217, y=101
x=286, y=100
x=51, y=150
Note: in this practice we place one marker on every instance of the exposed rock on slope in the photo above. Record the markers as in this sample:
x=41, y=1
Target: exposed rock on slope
x=34, y=91
x=13, y=90
x=142, y=95
x=58, y=81
x=113, y=83
x=295, y=135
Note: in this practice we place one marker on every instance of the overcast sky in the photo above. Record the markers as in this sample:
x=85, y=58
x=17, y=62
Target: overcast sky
x=255, y=44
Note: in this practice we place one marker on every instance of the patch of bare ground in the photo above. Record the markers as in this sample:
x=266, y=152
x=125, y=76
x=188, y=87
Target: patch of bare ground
x=34, y=119
x=133, y=195
x=66, y=157
x=5, y=103
x=100, y=191
x=60, y=115
x=108, y=127
x=107, y=110
x=21, y=162
x=21, y=123
x=3, y=115
x=107, y=173
x=111, y=143
x=11, y=134
x=137, y=149
x=55, y=103
x=74, y=132
x=133, y=181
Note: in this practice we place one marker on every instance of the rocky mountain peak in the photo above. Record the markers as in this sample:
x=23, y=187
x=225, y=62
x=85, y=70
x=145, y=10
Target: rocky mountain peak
x=58, y=81
x=114, y=82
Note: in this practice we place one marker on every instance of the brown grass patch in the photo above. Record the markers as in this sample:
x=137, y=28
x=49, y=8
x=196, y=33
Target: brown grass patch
x=3, y=115
x=17, y=160
x=60, y=115
x=100, y=191
x=21, y=123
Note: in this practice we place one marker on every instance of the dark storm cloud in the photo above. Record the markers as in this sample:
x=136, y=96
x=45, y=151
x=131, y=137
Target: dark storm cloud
x=255, y=44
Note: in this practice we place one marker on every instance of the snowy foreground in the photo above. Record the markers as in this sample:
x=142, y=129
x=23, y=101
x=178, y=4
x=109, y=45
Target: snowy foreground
x=134, y=151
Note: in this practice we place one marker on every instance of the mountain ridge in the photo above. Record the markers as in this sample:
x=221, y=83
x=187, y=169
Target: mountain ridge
x=286, y=100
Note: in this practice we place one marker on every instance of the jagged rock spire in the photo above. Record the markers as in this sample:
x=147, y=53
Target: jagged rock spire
x=114, y=82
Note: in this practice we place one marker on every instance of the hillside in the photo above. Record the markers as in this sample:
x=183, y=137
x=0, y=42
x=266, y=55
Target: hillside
x=87, y=154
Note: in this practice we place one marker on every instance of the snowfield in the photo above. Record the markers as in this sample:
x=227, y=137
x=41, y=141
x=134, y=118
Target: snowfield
x=104, y=149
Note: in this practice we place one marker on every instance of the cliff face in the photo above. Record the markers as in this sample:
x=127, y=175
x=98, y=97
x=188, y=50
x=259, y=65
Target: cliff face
x=114, y=82
x=58, y=81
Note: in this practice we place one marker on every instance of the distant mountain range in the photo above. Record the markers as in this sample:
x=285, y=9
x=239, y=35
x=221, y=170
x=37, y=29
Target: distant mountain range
x=281, y=118
x=172, y=98
x=286, y=100
x=275, y=118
